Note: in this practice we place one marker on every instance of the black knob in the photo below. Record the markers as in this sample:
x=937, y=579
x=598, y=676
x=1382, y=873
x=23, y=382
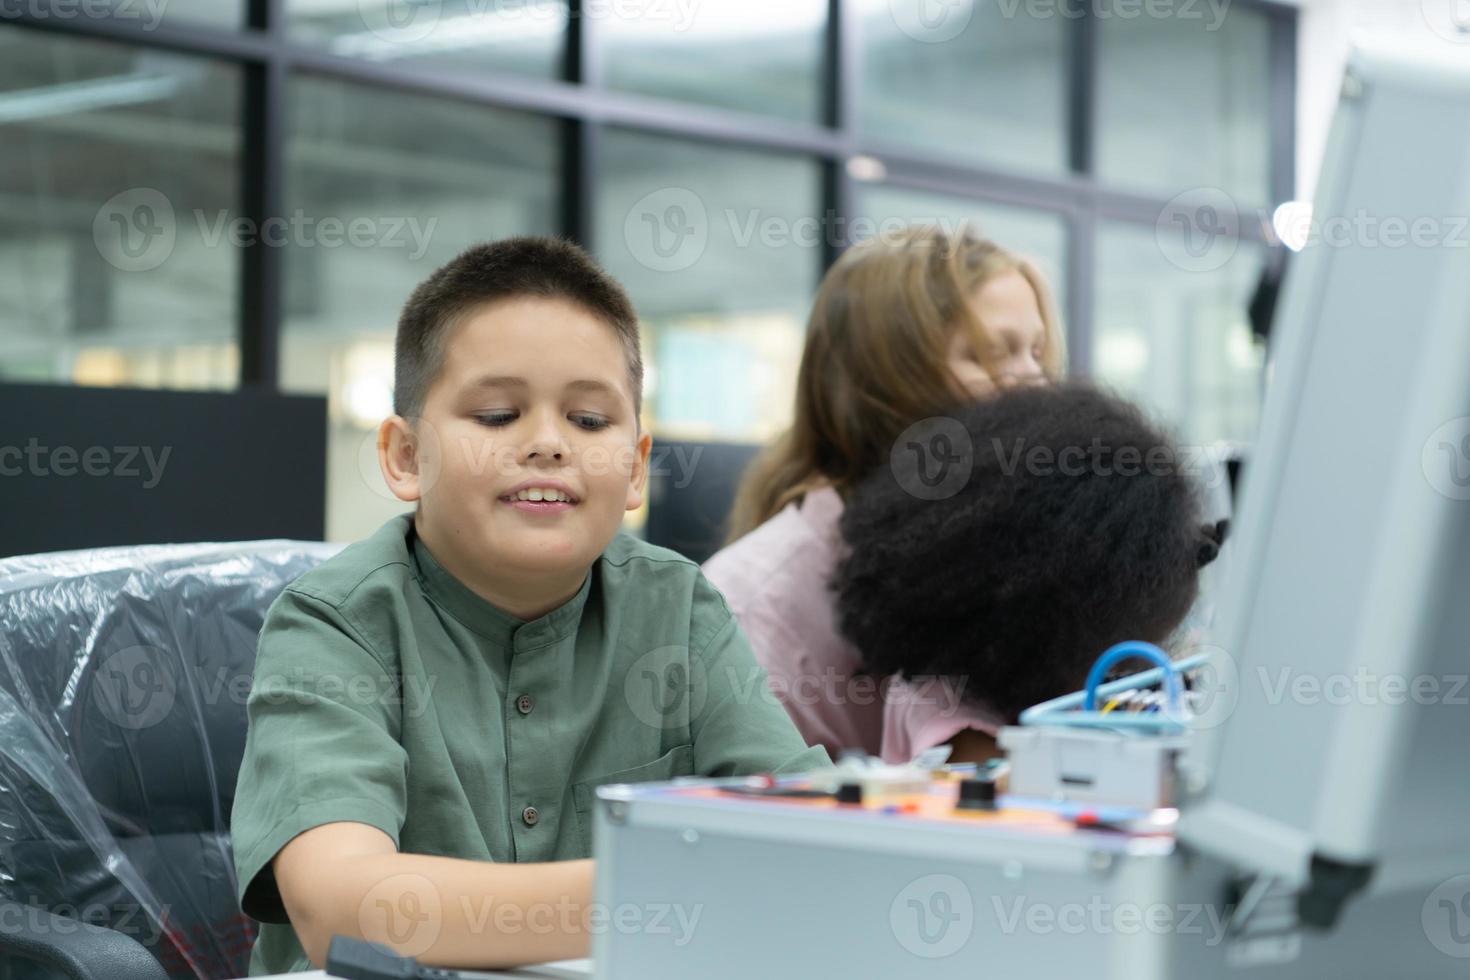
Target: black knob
x=850, y=793
x=976, y=794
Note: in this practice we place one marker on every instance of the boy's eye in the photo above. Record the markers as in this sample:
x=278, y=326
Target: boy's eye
x=590, y=422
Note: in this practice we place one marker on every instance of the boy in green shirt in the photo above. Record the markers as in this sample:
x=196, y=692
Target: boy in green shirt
x=433, y=707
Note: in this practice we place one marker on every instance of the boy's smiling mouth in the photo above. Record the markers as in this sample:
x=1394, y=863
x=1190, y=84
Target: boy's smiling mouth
x=541, y=497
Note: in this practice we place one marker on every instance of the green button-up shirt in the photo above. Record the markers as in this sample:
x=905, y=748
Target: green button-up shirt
x=386, y=692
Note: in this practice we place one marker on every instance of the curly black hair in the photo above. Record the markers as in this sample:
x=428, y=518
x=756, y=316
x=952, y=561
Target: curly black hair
x=1014, y=541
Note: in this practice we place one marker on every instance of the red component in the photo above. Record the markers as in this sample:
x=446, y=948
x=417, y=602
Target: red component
x=1086, y=819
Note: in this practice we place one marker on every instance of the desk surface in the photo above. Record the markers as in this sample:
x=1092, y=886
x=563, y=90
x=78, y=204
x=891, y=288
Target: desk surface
x=560, y=970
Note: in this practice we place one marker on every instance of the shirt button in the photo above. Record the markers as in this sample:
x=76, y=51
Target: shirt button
x=524, y=704
x=530, y=815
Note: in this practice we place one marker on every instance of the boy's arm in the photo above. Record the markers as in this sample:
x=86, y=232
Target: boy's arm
x=349, y=879
x=322, y=796
x=742, y=728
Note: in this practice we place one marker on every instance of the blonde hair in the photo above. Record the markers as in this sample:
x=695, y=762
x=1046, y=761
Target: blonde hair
x=875, y=359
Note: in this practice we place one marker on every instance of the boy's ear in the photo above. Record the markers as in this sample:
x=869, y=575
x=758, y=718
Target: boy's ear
x=398, y=458
x=638, y=478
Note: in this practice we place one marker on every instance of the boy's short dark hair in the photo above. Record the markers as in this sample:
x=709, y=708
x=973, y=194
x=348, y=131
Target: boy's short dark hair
x=1038, y=562
x=527, y=266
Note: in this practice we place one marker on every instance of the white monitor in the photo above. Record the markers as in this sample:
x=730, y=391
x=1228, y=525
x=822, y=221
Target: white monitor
x=1341, y=757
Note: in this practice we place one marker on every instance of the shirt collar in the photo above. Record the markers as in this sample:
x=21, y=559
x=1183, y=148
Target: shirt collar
x=487, y=619
x=821, y=507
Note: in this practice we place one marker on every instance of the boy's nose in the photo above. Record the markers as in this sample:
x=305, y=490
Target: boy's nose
x=546, y=443
x=546, y=447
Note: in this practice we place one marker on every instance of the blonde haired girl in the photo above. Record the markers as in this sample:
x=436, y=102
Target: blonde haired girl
x=903, y=327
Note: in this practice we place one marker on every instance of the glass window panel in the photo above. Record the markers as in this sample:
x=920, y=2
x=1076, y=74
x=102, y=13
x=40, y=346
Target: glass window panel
x=761, y=56
x=1040, y=236
x=1177, y=335
x=721, y=251
x=522, y=36
x=213, y=13
x=118, y=179
x=1185, y=103
x=981, y=82
x=146, y=14
x=382, y=189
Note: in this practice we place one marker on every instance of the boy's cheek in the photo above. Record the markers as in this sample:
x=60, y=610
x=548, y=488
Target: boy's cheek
x=481, y=455
x=608, y=461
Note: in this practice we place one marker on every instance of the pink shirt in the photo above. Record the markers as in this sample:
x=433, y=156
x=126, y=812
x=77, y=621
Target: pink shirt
x=776, y=581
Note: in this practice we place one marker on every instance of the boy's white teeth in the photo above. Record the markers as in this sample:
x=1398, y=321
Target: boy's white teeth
x=537, y=493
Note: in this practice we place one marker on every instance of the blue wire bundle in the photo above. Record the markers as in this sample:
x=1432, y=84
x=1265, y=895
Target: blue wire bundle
x=1172, y=720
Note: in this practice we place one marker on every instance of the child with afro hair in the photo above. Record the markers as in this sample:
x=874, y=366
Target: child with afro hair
x=1008, y=545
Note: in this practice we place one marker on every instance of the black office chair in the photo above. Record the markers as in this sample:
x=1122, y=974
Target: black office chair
x=123, y=675
x=691, y=488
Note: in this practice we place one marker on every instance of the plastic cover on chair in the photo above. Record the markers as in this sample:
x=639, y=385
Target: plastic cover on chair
x=123, y=679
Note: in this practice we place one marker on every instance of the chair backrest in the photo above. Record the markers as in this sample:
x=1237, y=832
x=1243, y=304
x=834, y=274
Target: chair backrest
x=88, y=467
x=691, y=488
x=123, y=678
